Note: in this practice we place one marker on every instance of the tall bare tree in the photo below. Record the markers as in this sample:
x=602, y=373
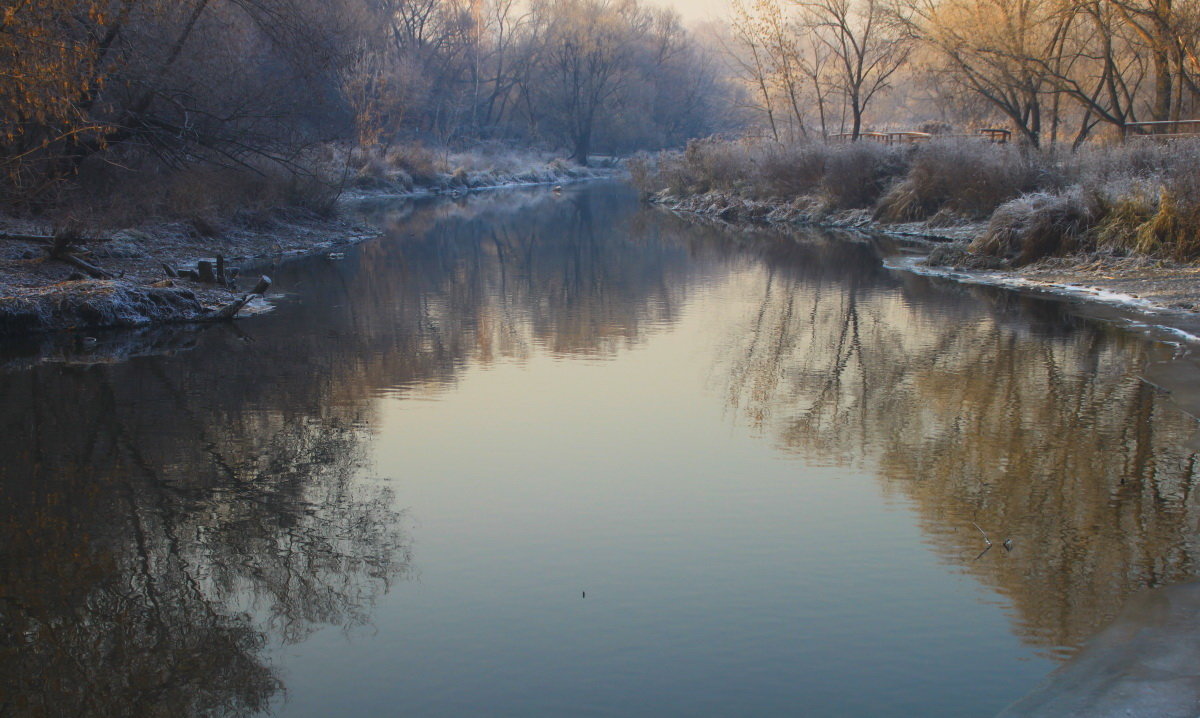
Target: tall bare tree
x=867, y=48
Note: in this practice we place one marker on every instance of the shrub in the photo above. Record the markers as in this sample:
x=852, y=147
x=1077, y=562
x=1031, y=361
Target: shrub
x=968, y=178
x=856, y=175
x=417, y=160
x=643, y=173
x=1039, y=225
x=792, y=171
x=718, y=165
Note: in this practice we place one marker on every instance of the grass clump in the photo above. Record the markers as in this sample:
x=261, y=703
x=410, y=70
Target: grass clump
x=1039, y=225
x=1139, y=198
x=965, y=178
x=856, y=175
x=842, y=176
x=1174, y=228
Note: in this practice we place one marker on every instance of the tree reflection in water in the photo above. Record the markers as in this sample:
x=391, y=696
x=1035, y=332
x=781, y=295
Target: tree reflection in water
x=163, y=519
x=151, y=543
x=981, y=406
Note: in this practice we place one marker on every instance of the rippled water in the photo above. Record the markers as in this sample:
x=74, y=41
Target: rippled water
x=564, y=455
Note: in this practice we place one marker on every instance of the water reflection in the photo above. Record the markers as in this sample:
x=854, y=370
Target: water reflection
x=154, y=533
x=493, y=276
x=987, y=407
x=164, y=519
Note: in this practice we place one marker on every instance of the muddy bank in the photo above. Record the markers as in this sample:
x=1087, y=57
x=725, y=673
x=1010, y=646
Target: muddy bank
x=1143, y=283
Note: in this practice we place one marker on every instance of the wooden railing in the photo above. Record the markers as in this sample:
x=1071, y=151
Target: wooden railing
x=1164, y=129
x=912, y=137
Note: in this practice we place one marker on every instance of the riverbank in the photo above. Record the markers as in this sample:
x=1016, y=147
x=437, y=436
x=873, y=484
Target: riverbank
x=150, y=274
x=1112, y=220
x=415, y=170
x=158, y=272
x=1143, y=282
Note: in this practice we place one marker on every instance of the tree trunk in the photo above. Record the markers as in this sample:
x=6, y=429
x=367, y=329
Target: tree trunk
x=1164, y=86
x=583, y=147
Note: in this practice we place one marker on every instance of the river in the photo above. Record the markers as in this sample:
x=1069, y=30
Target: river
x=562, y=454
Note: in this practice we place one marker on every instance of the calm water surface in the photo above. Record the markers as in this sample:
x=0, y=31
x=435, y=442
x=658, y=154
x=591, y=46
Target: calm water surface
x=537, y=455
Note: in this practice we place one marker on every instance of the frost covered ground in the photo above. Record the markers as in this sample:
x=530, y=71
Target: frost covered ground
x=39, y=293
x=417, y=170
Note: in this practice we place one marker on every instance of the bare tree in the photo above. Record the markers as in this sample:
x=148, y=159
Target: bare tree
x=867, y=48
x=586, y=56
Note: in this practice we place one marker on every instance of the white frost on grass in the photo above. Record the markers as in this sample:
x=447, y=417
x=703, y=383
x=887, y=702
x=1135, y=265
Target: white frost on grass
x=415, y=170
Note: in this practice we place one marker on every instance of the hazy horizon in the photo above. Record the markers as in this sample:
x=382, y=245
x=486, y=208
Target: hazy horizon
x=694, y=10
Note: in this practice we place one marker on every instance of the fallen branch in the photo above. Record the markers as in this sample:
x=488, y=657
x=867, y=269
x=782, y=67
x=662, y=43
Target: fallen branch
x=229, y=311
x=43, y=239
x=986, y=540
x=90, y=269
x=26, y=238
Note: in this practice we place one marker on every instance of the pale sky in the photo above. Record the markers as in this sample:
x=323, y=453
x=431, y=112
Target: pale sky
x=695, y=10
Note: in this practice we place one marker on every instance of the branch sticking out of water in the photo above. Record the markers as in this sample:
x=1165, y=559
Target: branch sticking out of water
x=986, y=540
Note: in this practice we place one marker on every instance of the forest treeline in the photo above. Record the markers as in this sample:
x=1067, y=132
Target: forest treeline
x=134, y=94
x=1053, y=70
x=1069, y=80
x=94, y=87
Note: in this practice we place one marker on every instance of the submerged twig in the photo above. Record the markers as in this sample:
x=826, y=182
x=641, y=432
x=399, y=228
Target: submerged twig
x=986, y=540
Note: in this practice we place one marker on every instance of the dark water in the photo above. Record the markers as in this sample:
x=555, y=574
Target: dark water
x=538, y=455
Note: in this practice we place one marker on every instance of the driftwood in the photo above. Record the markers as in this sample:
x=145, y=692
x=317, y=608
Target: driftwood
x=90, y=269
x=230, y=310
x=26, y=238
x=45, y=239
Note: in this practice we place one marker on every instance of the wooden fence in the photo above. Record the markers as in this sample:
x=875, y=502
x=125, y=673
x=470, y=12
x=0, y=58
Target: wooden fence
x=912, y=137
